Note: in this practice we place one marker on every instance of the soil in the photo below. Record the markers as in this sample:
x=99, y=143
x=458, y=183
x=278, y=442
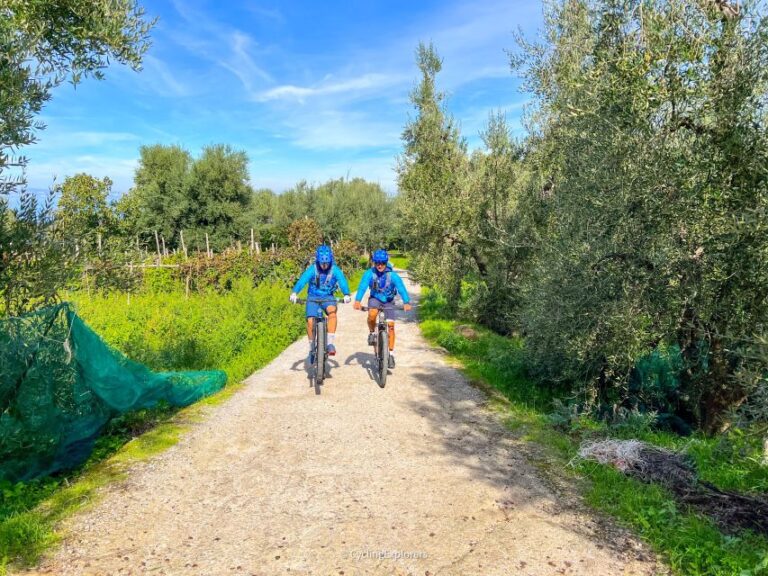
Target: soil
x=415, y=478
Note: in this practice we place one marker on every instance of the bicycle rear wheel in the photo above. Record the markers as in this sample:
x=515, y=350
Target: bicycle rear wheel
x=320, y=340
x=383, y=357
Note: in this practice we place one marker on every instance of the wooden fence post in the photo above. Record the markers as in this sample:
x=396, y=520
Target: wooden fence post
x=207, y=246
x=157, y=244
x=183, y=246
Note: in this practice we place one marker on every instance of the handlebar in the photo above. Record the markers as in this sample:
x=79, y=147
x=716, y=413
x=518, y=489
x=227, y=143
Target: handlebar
x=319, y=300
x=366, y=308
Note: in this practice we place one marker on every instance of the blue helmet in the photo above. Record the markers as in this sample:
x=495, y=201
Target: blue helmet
x=324, y=255
x=380, y=257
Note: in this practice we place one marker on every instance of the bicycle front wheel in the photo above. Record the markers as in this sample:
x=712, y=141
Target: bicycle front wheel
x=320, y=343
x=383, y=357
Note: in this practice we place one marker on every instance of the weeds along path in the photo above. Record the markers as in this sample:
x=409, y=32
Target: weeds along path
x=417, y=478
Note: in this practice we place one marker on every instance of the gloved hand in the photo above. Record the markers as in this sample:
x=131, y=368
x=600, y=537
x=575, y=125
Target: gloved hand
x=347, y=298
x=407, y=307
x=293, y=297
x=357, y=305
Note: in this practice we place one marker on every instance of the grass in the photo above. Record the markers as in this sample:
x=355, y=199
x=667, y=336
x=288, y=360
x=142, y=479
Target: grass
x=399, y=260
x=236, y=331
x=691, y=544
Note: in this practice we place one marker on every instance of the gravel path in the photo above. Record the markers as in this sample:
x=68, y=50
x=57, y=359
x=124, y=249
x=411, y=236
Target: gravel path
x=416, y=478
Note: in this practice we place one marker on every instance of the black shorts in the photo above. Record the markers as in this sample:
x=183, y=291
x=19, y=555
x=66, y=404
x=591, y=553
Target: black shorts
x=388, y=307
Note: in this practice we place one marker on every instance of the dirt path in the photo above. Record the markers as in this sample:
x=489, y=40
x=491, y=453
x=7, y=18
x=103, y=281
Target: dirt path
x=417, y=478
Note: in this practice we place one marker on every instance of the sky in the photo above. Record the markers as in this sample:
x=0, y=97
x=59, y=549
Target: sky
x=310, y=91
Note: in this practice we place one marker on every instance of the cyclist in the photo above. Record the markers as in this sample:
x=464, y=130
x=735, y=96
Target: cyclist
x=324, y=278
x=384, y=284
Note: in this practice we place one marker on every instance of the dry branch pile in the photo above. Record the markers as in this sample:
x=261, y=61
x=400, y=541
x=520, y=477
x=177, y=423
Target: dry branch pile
x=674, y=471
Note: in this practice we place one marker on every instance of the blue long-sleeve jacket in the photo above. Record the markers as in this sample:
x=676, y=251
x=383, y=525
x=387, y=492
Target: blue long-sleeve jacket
x=322, y=284
x=384, y=287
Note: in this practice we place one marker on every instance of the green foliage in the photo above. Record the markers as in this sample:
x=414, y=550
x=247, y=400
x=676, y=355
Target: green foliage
x=46, y=43
x=219, y=193
x=495, y=359
x=436, y=216
x=174, y=193
x=82, y=209
x=691, y=544
x=400, y=260
x=159, y=198
x=305, y=235
x=235, y=331
x=352, y=210
x=652, y=122
x=238, y=331
x=35, y=260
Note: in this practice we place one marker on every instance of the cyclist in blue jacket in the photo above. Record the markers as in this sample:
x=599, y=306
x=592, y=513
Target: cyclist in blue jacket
x=323, y=278
x=384, y=284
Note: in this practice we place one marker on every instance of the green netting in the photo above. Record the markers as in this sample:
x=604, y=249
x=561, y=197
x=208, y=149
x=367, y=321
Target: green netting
x=60, y=383
x=656, y=377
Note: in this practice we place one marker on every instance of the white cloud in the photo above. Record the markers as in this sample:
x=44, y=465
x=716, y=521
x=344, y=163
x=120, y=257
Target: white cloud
x=241, y=64
x=228, y=47
x=159, y=78
x=350, y=86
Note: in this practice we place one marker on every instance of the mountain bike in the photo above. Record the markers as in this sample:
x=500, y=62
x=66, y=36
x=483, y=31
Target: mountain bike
x=381, y=347
x=319, y=341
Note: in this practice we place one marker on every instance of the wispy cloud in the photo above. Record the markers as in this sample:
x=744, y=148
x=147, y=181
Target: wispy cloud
x=159, y=78
x=227, y=46
x=365, y=83
x=241, y=64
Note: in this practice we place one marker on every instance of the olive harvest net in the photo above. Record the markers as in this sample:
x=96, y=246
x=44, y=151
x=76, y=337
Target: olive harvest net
x=60, y=383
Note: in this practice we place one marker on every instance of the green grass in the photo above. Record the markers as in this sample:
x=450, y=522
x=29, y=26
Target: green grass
x=691, y=544
x=236, y=331
x=399, y=260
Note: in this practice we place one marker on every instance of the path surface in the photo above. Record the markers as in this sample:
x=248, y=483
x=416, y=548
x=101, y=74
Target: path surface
x=417, y=478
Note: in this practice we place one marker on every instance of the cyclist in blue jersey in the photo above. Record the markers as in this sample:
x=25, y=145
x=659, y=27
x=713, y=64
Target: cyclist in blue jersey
x=323, y=278
x=384, y=284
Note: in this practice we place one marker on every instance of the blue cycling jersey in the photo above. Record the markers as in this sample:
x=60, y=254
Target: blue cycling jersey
x=383, y=286
x=322, y=284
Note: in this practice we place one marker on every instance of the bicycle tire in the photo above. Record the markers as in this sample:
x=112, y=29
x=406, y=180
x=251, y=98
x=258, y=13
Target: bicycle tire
x=320, y=351
x=383, y=357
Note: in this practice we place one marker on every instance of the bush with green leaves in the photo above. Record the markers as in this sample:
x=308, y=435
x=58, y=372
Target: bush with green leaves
x=654, y=138
x=236, y=331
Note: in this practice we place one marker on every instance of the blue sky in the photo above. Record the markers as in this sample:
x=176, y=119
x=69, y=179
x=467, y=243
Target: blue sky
x=308, y=90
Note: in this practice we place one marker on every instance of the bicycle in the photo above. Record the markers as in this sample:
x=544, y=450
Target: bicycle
x=381, y=347
x=319, y=341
